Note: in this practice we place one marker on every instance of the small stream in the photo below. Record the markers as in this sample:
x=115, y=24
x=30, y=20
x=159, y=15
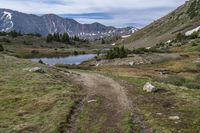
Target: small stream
x=69, y=60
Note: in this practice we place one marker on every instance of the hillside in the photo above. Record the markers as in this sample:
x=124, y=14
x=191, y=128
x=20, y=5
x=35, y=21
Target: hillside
x=183, y=19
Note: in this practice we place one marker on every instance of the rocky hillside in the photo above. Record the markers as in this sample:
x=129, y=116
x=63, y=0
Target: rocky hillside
x=185, y=18
x=50, y=23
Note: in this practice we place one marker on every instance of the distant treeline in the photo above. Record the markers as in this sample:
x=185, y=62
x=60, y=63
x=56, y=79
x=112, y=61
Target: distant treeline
x=14, y=33
x=56, y=37
x=64, y=38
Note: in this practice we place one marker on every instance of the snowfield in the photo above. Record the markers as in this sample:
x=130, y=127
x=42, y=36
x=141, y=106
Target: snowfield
x=7, y=19
x=192, y=31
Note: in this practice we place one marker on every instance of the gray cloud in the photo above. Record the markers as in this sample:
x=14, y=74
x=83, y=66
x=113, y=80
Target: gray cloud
x=109, y=12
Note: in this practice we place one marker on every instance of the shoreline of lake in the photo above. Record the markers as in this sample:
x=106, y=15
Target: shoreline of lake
x=66, y=60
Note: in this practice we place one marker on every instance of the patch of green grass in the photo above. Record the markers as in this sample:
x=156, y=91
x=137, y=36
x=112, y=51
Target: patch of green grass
x=33, y=101
x=172, y=101
x=181, y=81
x=127, y=123
x=91, y=117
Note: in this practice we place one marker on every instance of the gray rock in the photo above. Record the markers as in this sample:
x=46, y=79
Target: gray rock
x=131, y=63
x=174, y=118
x=148, y=87
x=36, y=69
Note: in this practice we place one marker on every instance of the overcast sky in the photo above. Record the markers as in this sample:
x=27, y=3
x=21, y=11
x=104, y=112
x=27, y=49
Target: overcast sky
x=119, y=13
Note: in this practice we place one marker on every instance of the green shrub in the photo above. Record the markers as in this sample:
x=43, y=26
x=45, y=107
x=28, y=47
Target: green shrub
x=161, y=44
x=34, y=34
x=76, y=53
x=180, y=37
x=194, y=35
x=117, y=52
x=35, y=52
x=1, y=48
x=40, y=61
x=139, y=50
x=194, y=44
x=82, y=52
x=49, y=38
x=14, y=34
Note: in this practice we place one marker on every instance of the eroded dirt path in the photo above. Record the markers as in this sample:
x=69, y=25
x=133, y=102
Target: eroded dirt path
x=100, y=85
x=106, y=104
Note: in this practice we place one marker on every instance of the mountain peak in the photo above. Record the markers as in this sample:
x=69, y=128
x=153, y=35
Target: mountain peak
x=52, y=23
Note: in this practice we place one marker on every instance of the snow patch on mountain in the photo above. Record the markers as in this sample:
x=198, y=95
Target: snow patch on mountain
x=133, y=30
x=7, y=21
x=8, y=15
x=126, y=36
x=188, y=33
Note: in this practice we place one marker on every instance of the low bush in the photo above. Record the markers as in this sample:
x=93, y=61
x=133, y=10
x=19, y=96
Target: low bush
x=194, y=44
x=117, y=52
x=180, y=37
x=35, y=52
x=41, y=62
x=76, y=53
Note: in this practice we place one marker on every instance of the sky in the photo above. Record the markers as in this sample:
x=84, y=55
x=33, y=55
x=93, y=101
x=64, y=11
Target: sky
x=118, y=13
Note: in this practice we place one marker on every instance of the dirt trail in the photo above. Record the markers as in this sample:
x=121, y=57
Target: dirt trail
x=106, y=87
x=114, y=101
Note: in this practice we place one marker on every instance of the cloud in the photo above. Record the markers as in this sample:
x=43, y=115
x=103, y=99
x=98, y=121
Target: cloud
x=97, y=15
x=109, y=12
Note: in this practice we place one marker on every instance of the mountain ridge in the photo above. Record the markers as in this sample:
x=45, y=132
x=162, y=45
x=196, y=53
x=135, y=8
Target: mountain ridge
x=52, y=23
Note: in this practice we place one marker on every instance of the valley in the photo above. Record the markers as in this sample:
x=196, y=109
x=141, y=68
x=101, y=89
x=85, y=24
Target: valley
x=130, y=81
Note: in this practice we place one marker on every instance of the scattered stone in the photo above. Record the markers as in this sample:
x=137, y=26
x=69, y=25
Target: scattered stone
x=148, y=48
x=177, y=122
x=148, y=87
x=174, y=118
x=97, y=64
x=90, y=101
x=197, y=61
x=163, y=72
x=36, y=69
x=159, y=114
x=131, y=63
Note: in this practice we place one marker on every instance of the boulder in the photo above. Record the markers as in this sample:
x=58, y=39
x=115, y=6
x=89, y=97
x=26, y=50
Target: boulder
x=148, y=87
x=36, y=69
x=174, y=118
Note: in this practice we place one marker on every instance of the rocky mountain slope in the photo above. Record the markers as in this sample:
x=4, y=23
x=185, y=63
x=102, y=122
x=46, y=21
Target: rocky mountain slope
x=51, y=23
x=185, y=18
